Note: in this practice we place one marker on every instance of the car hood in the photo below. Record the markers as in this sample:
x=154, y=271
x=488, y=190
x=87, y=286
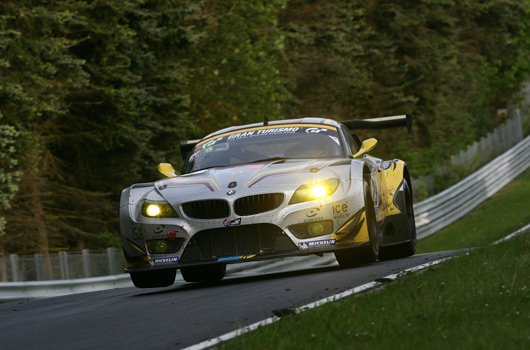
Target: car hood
x=263, y=177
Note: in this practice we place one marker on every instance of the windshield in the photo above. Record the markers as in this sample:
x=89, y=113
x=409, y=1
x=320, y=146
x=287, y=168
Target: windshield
x=265, y=144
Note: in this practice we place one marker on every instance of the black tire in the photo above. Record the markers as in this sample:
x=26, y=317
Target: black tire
x=408, y=248
x=365, y=254
x=153, y=279
x=204, y=273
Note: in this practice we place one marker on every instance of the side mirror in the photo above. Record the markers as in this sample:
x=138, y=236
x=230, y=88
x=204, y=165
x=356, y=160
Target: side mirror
x=166, y=169
x=367, y=146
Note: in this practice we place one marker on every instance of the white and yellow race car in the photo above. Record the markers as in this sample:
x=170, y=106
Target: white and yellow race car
x=268, y=190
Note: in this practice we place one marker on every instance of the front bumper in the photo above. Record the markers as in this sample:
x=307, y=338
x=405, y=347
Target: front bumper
x=237, y=239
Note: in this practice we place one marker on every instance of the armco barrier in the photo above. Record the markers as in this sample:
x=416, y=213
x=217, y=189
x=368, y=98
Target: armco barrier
x=10, y=291
x=432, y=215
x=440, y=210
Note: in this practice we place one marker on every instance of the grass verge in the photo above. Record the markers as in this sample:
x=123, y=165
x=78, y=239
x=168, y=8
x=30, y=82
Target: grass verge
x=475, y=301
x=502, y=214
x=480, y=300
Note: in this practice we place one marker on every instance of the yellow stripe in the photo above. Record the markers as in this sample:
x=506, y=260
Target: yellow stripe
x=268, y=127
x=195, y=180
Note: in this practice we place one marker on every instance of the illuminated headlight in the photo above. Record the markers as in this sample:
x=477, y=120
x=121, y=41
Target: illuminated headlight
x=314, y=191
x=158, y=210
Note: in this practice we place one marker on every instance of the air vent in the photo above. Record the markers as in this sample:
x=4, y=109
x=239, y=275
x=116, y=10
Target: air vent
x=237, y=242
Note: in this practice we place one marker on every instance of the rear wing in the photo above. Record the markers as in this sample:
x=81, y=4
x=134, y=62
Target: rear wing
x=186, y=146
x=396, y=121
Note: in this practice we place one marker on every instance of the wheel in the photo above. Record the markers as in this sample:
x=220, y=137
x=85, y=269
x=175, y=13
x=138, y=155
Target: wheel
x=408, y=248
x=365, y=254
x=204, y=273
x=153, y=279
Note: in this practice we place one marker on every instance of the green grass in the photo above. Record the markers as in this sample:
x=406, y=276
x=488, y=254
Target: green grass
x=475, y=301
x=480, y=300
x=502, y=214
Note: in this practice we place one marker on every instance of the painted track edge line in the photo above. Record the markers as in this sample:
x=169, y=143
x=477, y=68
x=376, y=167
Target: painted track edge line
x=367, y=286
x=515, y=234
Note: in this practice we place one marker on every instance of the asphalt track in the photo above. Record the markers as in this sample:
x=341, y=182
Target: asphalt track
x=178, y=316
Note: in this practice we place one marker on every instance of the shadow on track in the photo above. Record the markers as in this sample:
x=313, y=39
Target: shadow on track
x=239, y=279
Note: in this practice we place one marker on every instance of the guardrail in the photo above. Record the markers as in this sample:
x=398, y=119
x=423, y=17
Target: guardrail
x=446, y=207
x=11, y=291
x=432, y=215
x=477, y=154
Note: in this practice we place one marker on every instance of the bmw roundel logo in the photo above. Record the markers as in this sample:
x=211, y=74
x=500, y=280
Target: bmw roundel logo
x=231, y=192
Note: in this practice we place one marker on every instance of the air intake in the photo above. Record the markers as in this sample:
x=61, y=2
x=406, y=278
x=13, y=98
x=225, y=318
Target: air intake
x=257, y=204
x=206, y=209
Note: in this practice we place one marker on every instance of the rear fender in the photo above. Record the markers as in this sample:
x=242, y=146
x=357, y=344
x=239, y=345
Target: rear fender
x=394, y=172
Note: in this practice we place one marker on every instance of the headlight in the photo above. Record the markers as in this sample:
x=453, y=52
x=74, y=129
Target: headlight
x=158, y=210
x=314, y=191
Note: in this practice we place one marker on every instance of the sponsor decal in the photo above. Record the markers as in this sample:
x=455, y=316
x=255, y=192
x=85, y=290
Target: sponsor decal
x=212, y=142
x=234, y=258
x=268, y=131
x=320, y=218
x=166, y=260
x=278, y=131
x=159, y=229
x=242, y=135
x=340, y=211
x=137, y=233
x=313, y=212
x=315, y=130
x=334, y=138
x=319, y=243
x=228, y=222
x=232, y=184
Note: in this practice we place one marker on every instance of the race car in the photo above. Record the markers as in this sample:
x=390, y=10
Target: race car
x=269, y=190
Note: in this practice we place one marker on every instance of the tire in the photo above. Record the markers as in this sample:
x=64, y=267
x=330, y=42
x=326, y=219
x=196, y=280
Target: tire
x=204, y=273
x=365, y=254
x=153, y=279
x=408, y=248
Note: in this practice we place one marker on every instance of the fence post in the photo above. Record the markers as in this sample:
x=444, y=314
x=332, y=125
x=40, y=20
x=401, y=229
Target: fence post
x=15, y=267
x=112, y=261
x=39, y=267
x=63, y=262
x=3, y=269
x=87, y=267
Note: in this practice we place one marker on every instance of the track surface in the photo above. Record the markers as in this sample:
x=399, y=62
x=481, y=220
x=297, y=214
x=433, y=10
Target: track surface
x=178, y=316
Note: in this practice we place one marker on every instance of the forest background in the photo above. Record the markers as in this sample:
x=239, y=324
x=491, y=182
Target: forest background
x=95, y=93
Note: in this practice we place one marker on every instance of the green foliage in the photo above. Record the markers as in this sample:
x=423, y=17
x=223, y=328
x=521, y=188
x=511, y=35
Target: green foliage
x=450, y=64
x=236, y=74
x=99, y=92
x=8, y=175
